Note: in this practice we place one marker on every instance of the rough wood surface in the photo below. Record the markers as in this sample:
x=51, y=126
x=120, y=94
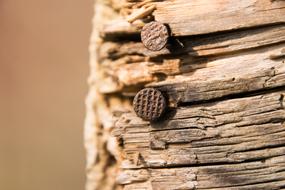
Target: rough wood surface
x=100, y=147
x=223, y=73
x=207, y=16
x=254, y=175
x=230, y=144
x=186, y=79
x=207, y=45
x=201, y=16
x=229, y=131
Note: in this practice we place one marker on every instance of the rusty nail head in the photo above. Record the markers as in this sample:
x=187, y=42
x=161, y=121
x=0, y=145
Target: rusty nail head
x=149, y=104
x=154, y=36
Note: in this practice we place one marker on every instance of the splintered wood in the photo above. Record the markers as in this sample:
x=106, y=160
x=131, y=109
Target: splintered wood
x=223, y=74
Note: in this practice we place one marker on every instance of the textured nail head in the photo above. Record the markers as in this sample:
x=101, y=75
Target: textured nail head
x=149, y=104
x=154, y=36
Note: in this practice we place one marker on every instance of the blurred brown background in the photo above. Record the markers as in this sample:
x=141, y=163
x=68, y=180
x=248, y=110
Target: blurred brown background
x=43, y=71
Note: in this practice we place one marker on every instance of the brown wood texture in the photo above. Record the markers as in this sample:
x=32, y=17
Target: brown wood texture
x=206, y=16
x=223, y=73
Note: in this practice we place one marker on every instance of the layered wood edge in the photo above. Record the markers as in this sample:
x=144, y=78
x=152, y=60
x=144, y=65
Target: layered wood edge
x=101, y=168
x=220, y=16
x=186, y=78
x=225, y=82
x=230, y=144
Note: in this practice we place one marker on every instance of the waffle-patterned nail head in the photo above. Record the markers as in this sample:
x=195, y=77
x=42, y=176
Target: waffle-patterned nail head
x=149, y=104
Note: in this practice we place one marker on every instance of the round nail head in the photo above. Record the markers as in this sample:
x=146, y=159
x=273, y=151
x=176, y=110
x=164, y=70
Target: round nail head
x=154, y=36
x=149, y=104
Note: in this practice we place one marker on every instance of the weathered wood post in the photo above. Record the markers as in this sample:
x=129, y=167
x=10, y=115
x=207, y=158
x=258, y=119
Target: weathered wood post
x=222, y=72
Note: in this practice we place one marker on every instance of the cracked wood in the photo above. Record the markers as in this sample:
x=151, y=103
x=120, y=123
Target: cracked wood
x=208, y=16
x=230, y=131
x=231, y=144
x=224, y=75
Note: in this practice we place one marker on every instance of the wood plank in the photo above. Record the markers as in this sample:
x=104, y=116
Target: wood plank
x=186, y=79
x=242, y=73
x=264, y=175
x=208, y=16
x=219, y=48
x=216, y=44
x=230, y=131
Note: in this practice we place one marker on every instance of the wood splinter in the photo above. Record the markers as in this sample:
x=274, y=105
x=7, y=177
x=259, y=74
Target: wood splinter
x=140, y=13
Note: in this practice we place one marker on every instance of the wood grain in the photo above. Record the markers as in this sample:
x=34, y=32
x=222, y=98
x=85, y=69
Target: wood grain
x=223, y=74
x=209, y=16
x=231, y=144
x=190, y=80
x=207, y=45
x=256, y=175
x=230, y=131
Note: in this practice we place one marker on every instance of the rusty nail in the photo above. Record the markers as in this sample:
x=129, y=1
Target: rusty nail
x=154, y=36
x=149, y=104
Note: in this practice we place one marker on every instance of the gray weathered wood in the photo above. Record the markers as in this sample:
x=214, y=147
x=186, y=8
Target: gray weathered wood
x=188, y=80
x=223, y=73
x=244, y=176
x=210, y=45
x=208, y=16
x=229, y=131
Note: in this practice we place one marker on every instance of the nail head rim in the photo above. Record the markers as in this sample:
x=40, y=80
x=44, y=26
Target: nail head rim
x=149, y=104
x=154, y=35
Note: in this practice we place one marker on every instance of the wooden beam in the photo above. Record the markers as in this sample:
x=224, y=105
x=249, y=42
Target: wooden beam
x=209, y=16
x=208, y=45
x=230, y=131
x=244, y=176
x=191, y=80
